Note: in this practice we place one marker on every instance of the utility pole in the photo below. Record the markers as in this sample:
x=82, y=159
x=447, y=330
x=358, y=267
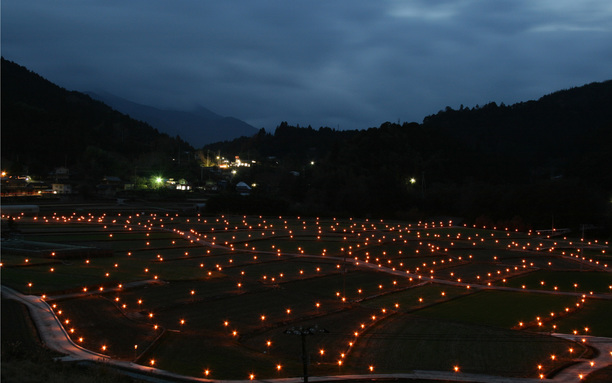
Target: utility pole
x=344, y=277
x=302, y=332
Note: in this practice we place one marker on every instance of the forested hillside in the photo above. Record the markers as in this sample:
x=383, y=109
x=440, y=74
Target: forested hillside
x=524, y=165
x=566, y=133
x=45, y=126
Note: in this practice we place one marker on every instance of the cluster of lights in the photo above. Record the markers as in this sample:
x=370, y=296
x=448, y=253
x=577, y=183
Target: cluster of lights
x=364, y=239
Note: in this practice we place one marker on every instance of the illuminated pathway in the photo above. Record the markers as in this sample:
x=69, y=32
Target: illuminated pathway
x=49, y=328
x=468, y=285
x=395, y=271
x=582, y=369
x=121, y=287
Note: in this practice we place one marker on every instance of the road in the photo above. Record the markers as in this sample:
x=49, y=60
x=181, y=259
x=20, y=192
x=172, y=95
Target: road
x=573, y=373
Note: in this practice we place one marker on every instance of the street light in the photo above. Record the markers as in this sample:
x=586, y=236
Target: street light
x=302, y=332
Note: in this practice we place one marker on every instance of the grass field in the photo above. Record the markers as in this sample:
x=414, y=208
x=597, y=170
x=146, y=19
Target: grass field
x=594, y=316
x=225, y=307
x=503, y=309
x=436, y=344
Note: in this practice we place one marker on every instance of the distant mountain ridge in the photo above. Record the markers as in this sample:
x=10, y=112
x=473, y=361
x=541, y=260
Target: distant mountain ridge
x=199, y=126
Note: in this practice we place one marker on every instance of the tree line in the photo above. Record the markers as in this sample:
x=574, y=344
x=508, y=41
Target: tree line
x=526, y=165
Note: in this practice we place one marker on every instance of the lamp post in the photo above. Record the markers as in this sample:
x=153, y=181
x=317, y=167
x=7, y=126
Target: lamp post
x=302, y=332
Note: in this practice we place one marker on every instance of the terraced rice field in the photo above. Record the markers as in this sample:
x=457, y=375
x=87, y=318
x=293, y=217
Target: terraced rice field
x=214, y=296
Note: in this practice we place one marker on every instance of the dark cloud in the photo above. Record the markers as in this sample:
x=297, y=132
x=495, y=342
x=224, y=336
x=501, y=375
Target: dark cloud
x=352, y=64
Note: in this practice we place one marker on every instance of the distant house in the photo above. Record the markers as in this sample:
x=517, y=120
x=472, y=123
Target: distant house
x=243, y=188
x=37, y=187
x=61, y=188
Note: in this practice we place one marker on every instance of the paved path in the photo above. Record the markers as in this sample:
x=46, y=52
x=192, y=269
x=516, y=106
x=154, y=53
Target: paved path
x=573, y=373
x=124, y=286
x=51, y=331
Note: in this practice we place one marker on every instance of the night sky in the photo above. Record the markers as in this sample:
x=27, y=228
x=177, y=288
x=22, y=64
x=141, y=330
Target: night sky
x=348, y=64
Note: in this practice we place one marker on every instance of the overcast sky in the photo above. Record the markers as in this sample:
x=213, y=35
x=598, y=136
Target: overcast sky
x=351, y=64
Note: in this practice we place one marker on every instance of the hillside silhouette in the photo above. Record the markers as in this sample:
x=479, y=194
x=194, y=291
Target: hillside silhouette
x=45, y=126
x=198, y=126
x=525, y=165
x=529, y=165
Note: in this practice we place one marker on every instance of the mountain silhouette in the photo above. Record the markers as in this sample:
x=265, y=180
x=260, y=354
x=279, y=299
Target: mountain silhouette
x=199, y=126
